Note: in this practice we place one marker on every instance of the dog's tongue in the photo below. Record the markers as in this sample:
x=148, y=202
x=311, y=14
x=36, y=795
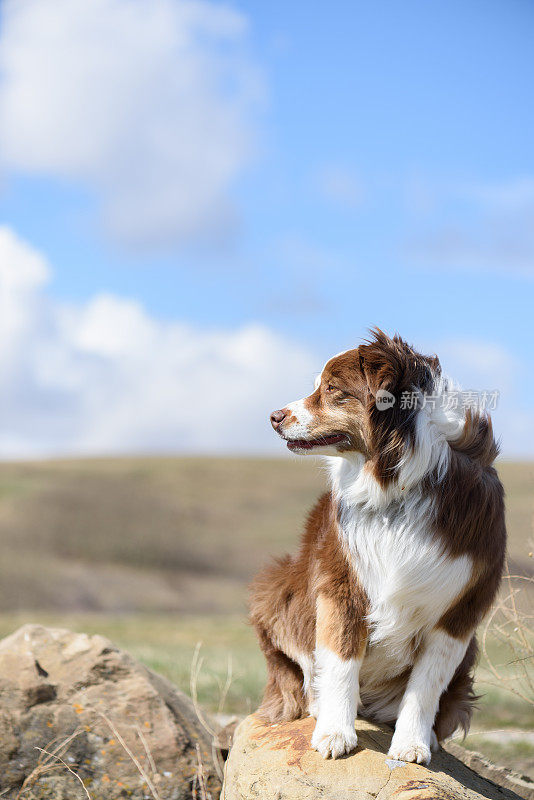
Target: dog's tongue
x=309, y=444
x=302, y=444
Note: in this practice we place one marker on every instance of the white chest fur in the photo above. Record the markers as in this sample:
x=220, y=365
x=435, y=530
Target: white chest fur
x=410, y=582
x=409, y=578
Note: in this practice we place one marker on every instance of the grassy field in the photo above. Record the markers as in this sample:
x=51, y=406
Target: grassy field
x=144, y=535
x=502, y=725
x=157, y=535
x=156, y=555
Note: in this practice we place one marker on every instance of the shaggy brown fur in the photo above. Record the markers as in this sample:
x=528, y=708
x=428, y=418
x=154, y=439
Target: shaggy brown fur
x=296, y=601
x=316, y=596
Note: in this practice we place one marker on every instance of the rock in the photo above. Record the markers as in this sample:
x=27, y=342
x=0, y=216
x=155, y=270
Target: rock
x=276, y=761
x=106, y=726
x=520, y=784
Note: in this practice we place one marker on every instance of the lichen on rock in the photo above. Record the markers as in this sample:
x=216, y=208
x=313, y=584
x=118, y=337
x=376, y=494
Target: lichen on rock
x=76, y=709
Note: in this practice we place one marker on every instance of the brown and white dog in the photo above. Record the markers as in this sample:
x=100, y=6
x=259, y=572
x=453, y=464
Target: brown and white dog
x=399, y=561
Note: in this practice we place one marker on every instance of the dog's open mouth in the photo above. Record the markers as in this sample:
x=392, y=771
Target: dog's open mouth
x=322, y=441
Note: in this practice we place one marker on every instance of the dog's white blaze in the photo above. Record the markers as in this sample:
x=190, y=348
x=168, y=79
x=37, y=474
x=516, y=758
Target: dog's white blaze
x=319, y=377
x=300, y=428
x=429, y=678
x=337, y=696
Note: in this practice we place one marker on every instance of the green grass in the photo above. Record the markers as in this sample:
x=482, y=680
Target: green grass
x=498, y=709
x=167, y=645
x=517, y=755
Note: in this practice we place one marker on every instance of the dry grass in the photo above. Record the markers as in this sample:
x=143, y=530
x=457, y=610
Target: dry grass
x=145, y=534
x=67, y=767
x=196, y=668
x=511, y=624
x=166, y=534
x=508, y=668
x=51, y=760
x=199, y=788
x=133, y=758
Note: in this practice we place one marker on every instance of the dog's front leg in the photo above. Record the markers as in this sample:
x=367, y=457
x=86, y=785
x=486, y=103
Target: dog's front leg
x=340, y=643
x=430, y=676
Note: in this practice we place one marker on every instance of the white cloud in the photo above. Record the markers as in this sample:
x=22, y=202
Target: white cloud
x=149, y=103
x=105, y=376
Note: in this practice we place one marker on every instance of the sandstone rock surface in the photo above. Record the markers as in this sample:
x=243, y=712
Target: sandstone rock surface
x=276, y=761
x=106, y=726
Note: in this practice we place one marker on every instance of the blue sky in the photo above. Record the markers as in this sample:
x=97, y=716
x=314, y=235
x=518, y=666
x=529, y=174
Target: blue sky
x=373, y=165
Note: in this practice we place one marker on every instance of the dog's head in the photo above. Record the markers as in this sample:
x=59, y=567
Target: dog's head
x=356, y=405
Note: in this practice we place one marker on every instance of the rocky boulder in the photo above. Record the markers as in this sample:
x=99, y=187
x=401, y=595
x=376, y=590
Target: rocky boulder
x=80, y=718
x=276, y=761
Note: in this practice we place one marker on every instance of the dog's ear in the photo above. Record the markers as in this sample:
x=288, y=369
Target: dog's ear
x=383, y=363
x=391, y=365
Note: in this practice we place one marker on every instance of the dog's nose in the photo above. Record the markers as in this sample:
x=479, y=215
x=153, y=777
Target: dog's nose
x=277, y=417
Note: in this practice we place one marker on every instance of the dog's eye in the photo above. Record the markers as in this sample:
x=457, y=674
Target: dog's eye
x=330, y=388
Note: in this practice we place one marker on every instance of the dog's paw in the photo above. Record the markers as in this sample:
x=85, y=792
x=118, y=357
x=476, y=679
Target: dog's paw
x=333, y=744
x=434, y=744
x=403, y=749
